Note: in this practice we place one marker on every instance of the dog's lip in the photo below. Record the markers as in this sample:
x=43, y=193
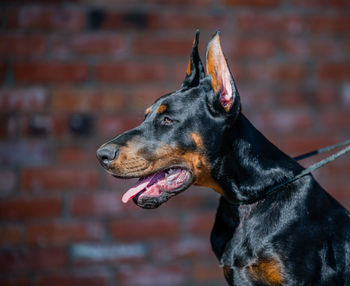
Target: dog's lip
x=186, y=184
x=149, y=173
x=142, y=187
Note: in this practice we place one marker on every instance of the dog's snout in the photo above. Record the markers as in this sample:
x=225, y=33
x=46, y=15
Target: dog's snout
x=106, y=154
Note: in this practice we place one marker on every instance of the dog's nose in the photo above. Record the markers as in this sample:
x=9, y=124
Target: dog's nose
x=106, y=154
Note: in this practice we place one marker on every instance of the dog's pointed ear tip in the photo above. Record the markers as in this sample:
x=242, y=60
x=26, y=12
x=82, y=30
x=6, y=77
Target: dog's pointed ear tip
x=214, y=41
x=196, y=38
x=216, y=36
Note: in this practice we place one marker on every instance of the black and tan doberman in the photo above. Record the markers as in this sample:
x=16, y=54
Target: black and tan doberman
x=298, y=235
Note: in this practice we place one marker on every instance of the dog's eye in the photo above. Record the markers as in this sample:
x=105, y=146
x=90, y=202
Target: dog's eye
x=166, y=121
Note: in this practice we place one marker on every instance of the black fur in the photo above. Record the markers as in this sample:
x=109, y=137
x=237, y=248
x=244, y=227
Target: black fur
x=300, y=227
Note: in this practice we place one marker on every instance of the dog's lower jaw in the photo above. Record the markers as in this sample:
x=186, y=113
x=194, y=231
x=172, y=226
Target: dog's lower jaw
x=147, y=200
x=152, y=203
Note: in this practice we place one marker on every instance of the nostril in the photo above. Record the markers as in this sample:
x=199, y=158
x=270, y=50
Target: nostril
x=106, y=154
x=105, y=160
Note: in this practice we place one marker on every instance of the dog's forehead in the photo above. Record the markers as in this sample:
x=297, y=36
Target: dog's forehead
x=175, y=101
x=180, y=98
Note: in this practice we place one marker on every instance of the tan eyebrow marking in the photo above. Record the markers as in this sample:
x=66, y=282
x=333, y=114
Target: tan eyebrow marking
x=161, y=109
x=197, y=139
x=148, y=110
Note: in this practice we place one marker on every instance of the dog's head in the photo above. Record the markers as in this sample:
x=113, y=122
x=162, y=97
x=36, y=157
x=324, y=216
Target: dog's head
x=181, y=136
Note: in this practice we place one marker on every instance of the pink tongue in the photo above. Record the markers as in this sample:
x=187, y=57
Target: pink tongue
x=136, y=189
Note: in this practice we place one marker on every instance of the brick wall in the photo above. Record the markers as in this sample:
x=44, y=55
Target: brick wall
x=75, y=73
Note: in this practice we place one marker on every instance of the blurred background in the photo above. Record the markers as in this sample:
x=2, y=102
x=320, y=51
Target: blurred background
x=74, y=74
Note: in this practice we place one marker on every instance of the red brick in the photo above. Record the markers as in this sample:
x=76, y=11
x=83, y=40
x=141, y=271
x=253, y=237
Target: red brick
x=54, y=123
x=87, y=100
x=345, y=95
x=156, y=275
x=338, y=168
x=43, y=1
x=292, y=97
x=252, y=72
x=22, y=45
x=131, y=72
x=326, y=95
x=148, y=95
x=36, y=124
x=336, y=71
x=330, y=24
x=30, y=259
x=290, y=72
x=92, y=253
x=254, y=47
x=284, y=120
x=295, y=47
x=321, y=3
x=253, y=3
x=15, y=281
x=87, y=278
x=129, y=20
x=141, y=229
x=25, y=153
x=335, y=119
x=76, y=155
x=100, y=204
x=50, y=72
x=336, y=186
x=271, y=72
x=2, y=71
x=61, y=233
x=271, y=23
x=324, y=48
x=7, y=182
x=45, y=18
x=186, y=3
x=10, y=235
x=203, y=273
x=59, y=124
x=297, y=145
x=22, y=209
x=9, y=126
x=255, y=96
x=187, y=20
x=162, y=47
x=176, y=73
x=200, y=223
x=112, y=125
x=89, y=44
x=23, y=99
x=191, y=248
x=54, y=178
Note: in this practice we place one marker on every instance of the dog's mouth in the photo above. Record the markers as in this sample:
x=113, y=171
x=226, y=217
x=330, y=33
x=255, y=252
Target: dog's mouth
x=155, y=189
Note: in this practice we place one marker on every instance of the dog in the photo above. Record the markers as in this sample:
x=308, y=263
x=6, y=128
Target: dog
x=198, y=135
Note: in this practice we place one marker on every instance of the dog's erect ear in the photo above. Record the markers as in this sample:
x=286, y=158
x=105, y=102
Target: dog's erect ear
x=221, y=79
x=195, y=71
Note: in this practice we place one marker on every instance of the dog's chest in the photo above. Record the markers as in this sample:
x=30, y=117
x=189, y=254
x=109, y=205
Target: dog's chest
x=245, y=265
x=245, y=260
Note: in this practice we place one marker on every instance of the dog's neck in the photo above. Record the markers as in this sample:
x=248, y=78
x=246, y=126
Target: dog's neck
x=253, y=165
